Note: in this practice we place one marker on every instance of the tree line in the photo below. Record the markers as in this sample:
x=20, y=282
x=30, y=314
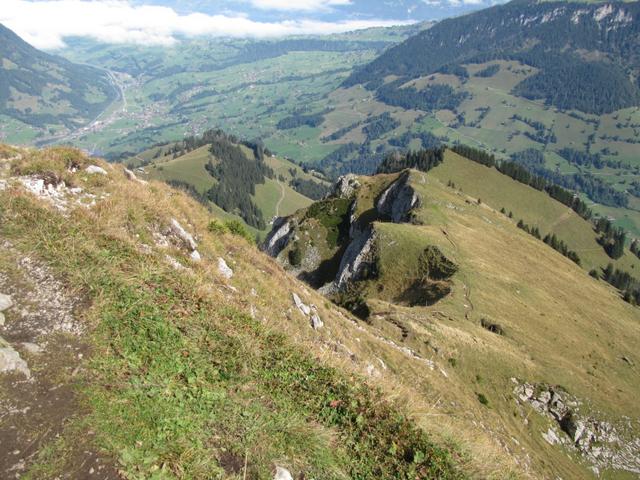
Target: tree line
x=551, y=240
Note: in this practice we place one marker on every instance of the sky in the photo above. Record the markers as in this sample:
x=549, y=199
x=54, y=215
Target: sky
x=46, y=23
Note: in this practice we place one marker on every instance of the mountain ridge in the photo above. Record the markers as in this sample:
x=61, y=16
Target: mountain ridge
x=43, y=90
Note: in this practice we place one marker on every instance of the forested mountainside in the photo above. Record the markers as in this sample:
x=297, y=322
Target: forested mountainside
x=46, y=92
x=238, y=178
x=586, y=55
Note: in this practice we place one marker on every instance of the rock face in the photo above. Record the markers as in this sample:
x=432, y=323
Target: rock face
x=602, y=444
x=346, y=186
x=359, y=254
x=278, y=237
x=397, y=201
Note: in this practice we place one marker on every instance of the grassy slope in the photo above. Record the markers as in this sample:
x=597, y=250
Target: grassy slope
x=534, y=207
x=562, y=327
x=184, y=382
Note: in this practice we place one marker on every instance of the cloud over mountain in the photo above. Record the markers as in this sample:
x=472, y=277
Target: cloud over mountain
x=46, y=23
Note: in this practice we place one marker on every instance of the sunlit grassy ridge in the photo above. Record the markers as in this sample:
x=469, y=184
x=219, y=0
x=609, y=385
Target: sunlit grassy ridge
x=184, y=382
x=555, y=325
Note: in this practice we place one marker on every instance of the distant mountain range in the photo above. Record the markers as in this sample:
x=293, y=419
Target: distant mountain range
x=587, y=55
x=47, y=91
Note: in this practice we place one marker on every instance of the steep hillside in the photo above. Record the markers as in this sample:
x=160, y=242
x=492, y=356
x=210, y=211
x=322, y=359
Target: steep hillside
x=42, y=95
x=279, y=187
x=140, y=339
x=598, y=79
x=527, y=336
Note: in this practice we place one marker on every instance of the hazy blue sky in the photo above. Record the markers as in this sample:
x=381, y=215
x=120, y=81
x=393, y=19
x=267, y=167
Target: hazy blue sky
x=46, y=23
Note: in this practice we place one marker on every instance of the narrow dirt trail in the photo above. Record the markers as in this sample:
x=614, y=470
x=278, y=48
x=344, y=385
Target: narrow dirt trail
x=282, y=194
x=561, y=219
x=44, y=328
x=469, y=308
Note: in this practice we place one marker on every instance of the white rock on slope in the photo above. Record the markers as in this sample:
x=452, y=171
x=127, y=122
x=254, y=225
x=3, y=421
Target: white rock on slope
x=316, y=321
x=10, y=360
x=182, y=234
x=224, y=269
x=282, y=474
x=304, y=309
x=5, y=303
x=94, y=169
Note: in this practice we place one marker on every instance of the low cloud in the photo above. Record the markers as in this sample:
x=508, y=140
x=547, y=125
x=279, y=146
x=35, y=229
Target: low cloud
x=46, y=23
x=299, y=5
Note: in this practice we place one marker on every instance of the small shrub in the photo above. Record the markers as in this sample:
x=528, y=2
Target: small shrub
x=483, y=399
x=492, y=327
x=453, y=362
x=236, y=227
x=217, y=227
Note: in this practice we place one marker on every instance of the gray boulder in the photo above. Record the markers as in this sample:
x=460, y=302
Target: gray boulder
x=10, y=360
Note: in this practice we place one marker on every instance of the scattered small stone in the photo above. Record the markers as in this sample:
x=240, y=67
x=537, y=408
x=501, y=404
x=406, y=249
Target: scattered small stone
x=282, y=474
x=195, y=256
x=628, y=360
x=94, y=169
x=32, y=348
x=316, y=321
x=224, y=269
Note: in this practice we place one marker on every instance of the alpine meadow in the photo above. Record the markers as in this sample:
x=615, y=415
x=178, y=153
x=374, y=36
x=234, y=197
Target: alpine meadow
x=322, y=239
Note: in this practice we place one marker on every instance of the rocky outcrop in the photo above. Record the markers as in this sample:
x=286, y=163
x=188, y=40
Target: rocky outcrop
x=308, y=311
x=359, y=255
x=346, y=186
x=279, y=236
x=398, y=201
x=175, y=234
x=177, y=230
x=602, y=444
